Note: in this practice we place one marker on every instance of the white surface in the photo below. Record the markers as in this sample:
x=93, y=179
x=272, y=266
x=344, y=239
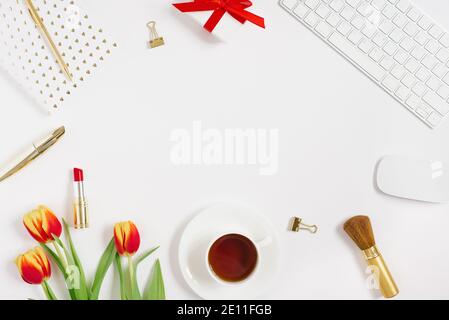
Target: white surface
x=240, y=77
x=205, y=229
x=363, y=39
x=414, y=178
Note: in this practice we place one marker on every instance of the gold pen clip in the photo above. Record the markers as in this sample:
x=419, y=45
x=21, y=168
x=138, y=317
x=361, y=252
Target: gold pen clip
x=297, y=225
x=38, y=150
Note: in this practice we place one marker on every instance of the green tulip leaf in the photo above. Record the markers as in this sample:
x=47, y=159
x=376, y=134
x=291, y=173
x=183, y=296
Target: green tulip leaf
x=61, y=267
x=118, y=266
x=145, y=255
x=133, y=286
x=103, y=266
x=82, y=291
x=155, y=289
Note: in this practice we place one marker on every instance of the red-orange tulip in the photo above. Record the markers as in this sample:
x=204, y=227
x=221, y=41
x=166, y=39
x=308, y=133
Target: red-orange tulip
x=127, y=238
x=34, y=266
x=41, y=223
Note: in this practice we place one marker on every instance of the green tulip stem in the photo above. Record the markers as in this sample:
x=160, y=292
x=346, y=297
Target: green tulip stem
x=48, y=291
x=60, y=255
x=131, y=273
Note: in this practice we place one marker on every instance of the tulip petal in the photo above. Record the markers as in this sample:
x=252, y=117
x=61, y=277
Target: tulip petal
x=133, y=240
x=34, y=266
x=50, y=224
x=33, y=224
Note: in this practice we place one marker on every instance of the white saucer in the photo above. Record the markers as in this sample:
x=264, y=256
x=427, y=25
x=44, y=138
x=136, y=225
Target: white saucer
x=225, y=218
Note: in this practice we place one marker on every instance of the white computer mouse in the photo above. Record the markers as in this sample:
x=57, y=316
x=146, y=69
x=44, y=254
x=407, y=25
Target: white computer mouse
x=414, y=178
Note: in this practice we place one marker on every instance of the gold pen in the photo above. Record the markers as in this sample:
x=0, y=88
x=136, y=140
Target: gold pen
x=40, y=24
x=39, y=149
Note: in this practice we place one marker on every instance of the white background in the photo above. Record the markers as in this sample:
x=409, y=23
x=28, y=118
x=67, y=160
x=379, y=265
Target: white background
x=334, y=124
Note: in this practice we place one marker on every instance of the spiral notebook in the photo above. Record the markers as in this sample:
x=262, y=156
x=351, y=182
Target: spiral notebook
x=24, y=53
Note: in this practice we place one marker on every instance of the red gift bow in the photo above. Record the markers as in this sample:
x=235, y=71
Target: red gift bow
x=236, y=8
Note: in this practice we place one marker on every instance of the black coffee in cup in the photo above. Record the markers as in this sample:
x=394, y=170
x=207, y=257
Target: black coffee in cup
x=233, y=257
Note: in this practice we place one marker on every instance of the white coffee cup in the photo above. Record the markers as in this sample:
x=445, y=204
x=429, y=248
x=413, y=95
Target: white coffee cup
x=258, y=245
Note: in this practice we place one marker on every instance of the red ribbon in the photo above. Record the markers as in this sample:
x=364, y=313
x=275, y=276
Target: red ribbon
x=236, y=8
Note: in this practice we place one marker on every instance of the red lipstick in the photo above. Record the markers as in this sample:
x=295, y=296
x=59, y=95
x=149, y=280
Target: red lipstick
x=81, y=217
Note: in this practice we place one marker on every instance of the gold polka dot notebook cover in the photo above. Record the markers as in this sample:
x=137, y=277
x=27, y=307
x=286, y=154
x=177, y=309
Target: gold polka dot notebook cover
x=26, y=56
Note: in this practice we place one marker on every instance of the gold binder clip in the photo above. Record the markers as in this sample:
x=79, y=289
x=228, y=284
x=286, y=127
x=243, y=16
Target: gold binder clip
x=155, y=40
x=297, y=225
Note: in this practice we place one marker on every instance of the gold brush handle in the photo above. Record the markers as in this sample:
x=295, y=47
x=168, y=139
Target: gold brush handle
x=386, y=282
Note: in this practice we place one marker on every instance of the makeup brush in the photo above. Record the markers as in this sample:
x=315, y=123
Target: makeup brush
x=360, y=231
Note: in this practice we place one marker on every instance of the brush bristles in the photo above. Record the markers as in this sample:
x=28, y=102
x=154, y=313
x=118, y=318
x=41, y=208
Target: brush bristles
x=360, y=231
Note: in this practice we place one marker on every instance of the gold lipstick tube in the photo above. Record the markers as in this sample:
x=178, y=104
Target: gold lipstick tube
x=386, y=282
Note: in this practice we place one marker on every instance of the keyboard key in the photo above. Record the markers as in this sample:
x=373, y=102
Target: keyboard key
x=344, y=28
x=365, y=9
x=418, y=53
x=401, y=56
x=397, y=35
x=353, y=3
x=389, y=12
x=322, y=11
x=439, y=70
x=378, y=4
x=444, y=40
x=301, y=10
x=443, y=92
x=333, y=19
x=386, y=27
x=414, y=14
x=429, y=61
x=407, y=44
x=312, y=19
x=355, y=36
x=398, y=72
x=436, y=102
x=408, y=81
x=391, y=83
x=425, y=23
x=402, y=93
x=443, y=55
x=337, y=5
x=419, y=89
x=369, y=30
x=347, y=13
x=358, y=57
x=436, y=32
x=324, y=29
x=290, y=3
x=390, y=48
x=432, y=46
x=376, y=54
x=423, y=74
x=312, y=4
x=387, y=63
x=411, y=29
x=412, y=65
x=433, y=83
x=446, y=79
x=380, y=39
x=400, y=21
x=413, y=102
x=403, y=5
x=358, y=22
x=366, y=46
x=421, y=38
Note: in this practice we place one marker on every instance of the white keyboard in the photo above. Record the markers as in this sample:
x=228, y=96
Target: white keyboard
x=394, y=43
